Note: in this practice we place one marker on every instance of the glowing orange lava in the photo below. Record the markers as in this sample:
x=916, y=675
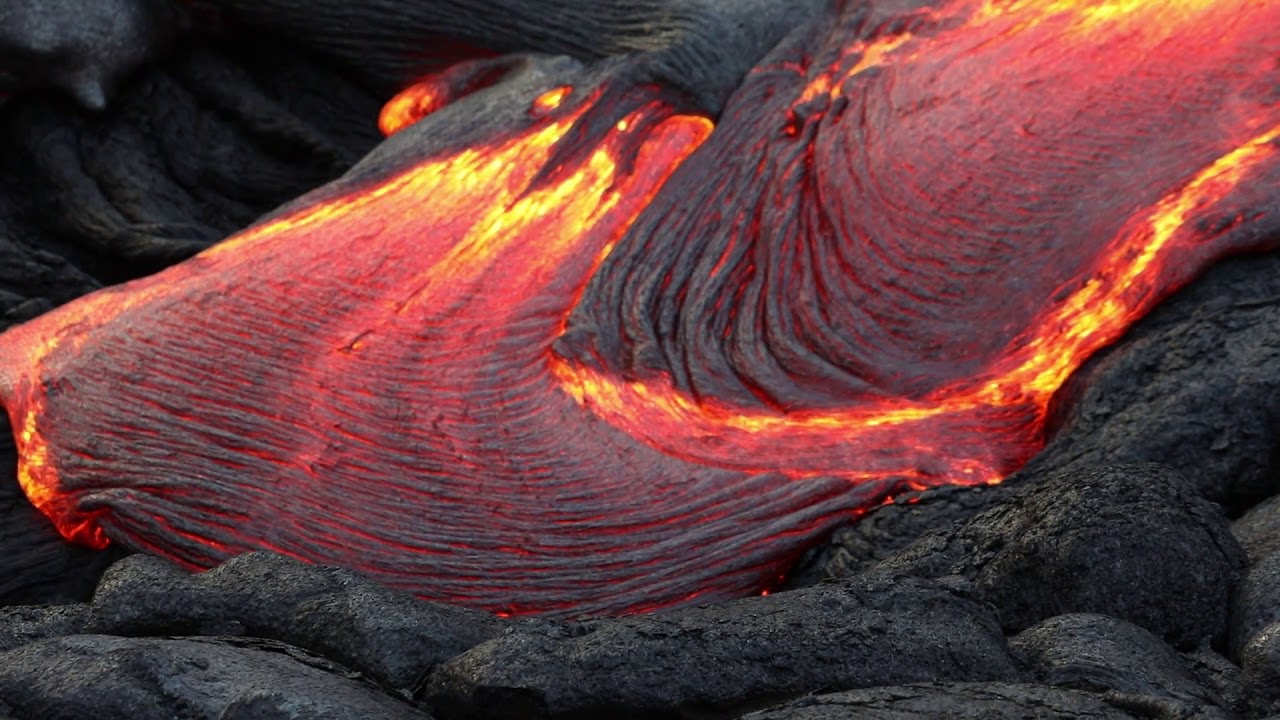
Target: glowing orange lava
x=1033, y=367
x=607, y=360
x=411, y=105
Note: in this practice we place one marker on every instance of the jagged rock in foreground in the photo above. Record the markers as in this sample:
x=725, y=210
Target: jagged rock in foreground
x=1105, y=655
x=1256, y=605
x=1134, y=542
x=727, y=657
x=87, y=676
x=388, y=635
x=1259, y=529
x=1261, y=664
x=885, y=531
x=868, y=632
x=22, y=625
x=955, y=701
x=1255, y=619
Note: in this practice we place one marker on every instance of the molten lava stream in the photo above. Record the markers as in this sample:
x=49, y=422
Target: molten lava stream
x=394, y=414
x=600, y=361
x=930, y=260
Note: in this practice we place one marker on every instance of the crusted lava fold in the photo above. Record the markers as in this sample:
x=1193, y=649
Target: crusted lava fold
x=557, y=347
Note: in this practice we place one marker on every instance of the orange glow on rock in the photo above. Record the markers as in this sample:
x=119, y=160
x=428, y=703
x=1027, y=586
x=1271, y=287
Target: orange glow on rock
x=411, y=105
x=605, y=359
x=39, y=480
x=448, y=86
x=551, y=99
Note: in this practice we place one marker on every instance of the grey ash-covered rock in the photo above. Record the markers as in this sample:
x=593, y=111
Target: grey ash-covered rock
x=1256, y=601
x=1257, y=598
x=1260, y=661
x=1258, y=530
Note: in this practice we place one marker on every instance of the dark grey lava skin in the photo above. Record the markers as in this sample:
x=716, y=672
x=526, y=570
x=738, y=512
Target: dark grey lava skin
x=83, y=47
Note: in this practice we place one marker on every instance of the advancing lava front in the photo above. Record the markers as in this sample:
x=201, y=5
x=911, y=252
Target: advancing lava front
x=607, y=354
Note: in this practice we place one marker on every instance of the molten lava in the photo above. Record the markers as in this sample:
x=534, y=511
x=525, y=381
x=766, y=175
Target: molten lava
x=603, y=359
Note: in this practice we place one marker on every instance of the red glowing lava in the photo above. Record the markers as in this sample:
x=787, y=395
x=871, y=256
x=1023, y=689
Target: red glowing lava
x=604, y=359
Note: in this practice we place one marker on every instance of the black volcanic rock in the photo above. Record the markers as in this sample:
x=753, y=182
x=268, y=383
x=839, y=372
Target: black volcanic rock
x=700, y=47
x=1256, y=603
x=954, y=701
x=95, y=676
x=390, y=635
x=192, y=149
x=1261, y=664
x=84, y=47
x=886, y=530
x=1259, y=529
x=1194, y=385
x=727, y=657
x=1135, y=542
x=1219, y=676
x=21, y=625
x=1102, y=654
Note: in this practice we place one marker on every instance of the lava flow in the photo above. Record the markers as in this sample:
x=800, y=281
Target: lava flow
x=598, y=358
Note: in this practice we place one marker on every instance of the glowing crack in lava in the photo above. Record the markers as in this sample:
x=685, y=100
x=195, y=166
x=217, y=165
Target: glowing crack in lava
x=600, y=358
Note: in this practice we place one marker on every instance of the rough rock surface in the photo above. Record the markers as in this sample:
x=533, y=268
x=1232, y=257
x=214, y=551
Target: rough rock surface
x=1259, y=529
x=21, y=625
x=391, y=636
x=1256, y=603
x=83, y=47
x=887, y=530
x=1208, y=353
x=1219, y=676
x=84, y=676
x=1255, y=618
x=727, y=657
x=1135, y=542
x=1102, y=654
x=1260, y=662
x=953, y=701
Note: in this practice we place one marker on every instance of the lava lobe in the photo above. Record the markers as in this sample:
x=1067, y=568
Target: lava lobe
x=583, y=354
